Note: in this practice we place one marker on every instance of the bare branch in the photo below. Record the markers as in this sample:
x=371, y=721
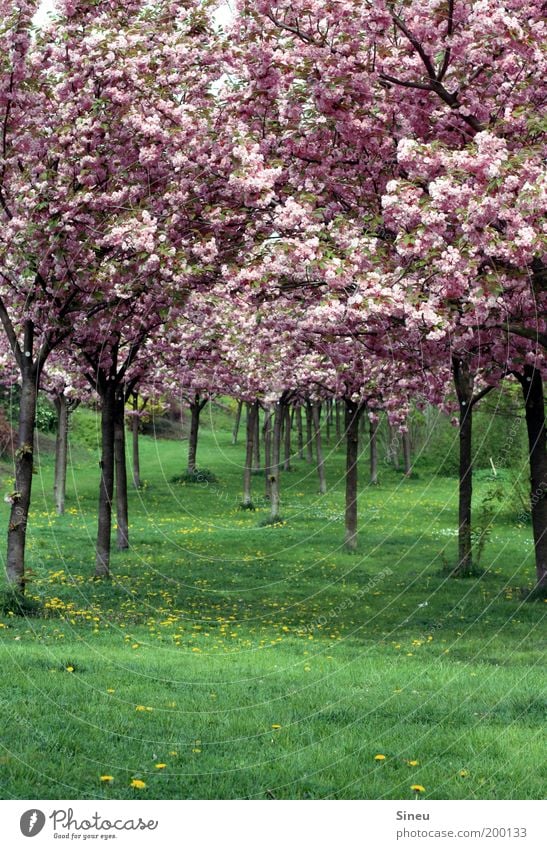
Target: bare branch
x=10, y=333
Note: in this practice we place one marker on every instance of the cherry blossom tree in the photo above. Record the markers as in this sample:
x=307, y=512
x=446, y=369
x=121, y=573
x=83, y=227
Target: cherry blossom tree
x=350, y=97
x=87, y=105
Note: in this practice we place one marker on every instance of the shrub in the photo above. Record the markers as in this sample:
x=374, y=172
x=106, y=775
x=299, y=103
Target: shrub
x=46, y=416
x=195, y=476
x=12, y=601
x=271, y=521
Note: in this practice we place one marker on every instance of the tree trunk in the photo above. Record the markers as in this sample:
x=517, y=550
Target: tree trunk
x=532, y=387
x=463, y=380
x=237, y=422
x=267, y=453
x=406, y=453
x=20, y=498
x=299, y=433
x=122, y=510
x=195, y=409
x=373, y=432
x=135, y=441
x=328, y=420
x=309, y=432
x=316, y=413
x=287, y=440
x=61, y=452
x=106, y=487
x=276, y=461
x=247, y=503
x=393, y=447
x=338, y=424
x=353, y=413
x=256, y=440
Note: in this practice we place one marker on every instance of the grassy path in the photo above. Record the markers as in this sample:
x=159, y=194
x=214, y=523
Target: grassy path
x=231, y=660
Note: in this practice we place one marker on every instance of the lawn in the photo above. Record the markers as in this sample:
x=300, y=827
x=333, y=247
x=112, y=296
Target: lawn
x=232, y=660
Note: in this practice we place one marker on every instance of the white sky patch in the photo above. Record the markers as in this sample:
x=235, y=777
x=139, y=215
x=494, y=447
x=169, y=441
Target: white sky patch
x=41, y=16
x=223, y=15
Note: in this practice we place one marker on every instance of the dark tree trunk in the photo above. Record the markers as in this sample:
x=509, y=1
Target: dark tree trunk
x=353, y=414
x=106, y=486
x=328, y=420
x=237, y=422
x=299, y=432
x=256, y=440
x=135, y=442
x=275, y=499
x=338, y=422
x=61, y=452
x=287, y=440
x=406, y=453
x=309, y=432
x=316, y=413
x=252, y=409
x=20, y=498
x=195, y=410
x=122, y=510
x=267, y=453
x=532, y=387
x=373, y=434
x=463, y=380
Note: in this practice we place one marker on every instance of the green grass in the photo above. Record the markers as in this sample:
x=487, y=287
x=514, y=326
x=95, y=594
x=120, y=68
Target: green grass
x=263, y=661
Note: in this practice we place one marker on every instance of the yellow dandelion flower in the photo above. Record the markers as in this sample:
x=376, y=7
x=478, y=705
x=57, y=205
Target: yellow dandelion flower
x=417, y=788
x=110, y=690
x=161, y=766
x=379, y=757
x=107, y=778
x=173, y=753
x=70, y=669
x=463, y=773
x=276, y=726
x=196, y=751
x=138, y=784
x=413, y=763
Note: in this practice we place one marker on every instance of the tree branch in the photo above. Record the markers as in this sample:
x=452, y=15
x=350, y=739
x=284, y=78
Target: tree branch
x=399, y=23
x=476, y=398
x=10, y=333
x=529, y=333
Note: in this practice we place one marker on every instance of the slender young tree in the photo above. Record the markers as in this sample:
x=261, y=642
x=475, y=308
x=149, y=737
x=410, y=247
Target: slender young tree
x=316, y=419
x=237, y=421
x=530, y=380
x=64, y=406
x=275, y=498
x=373, y=447
x=252, y=413
x=354, y=412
